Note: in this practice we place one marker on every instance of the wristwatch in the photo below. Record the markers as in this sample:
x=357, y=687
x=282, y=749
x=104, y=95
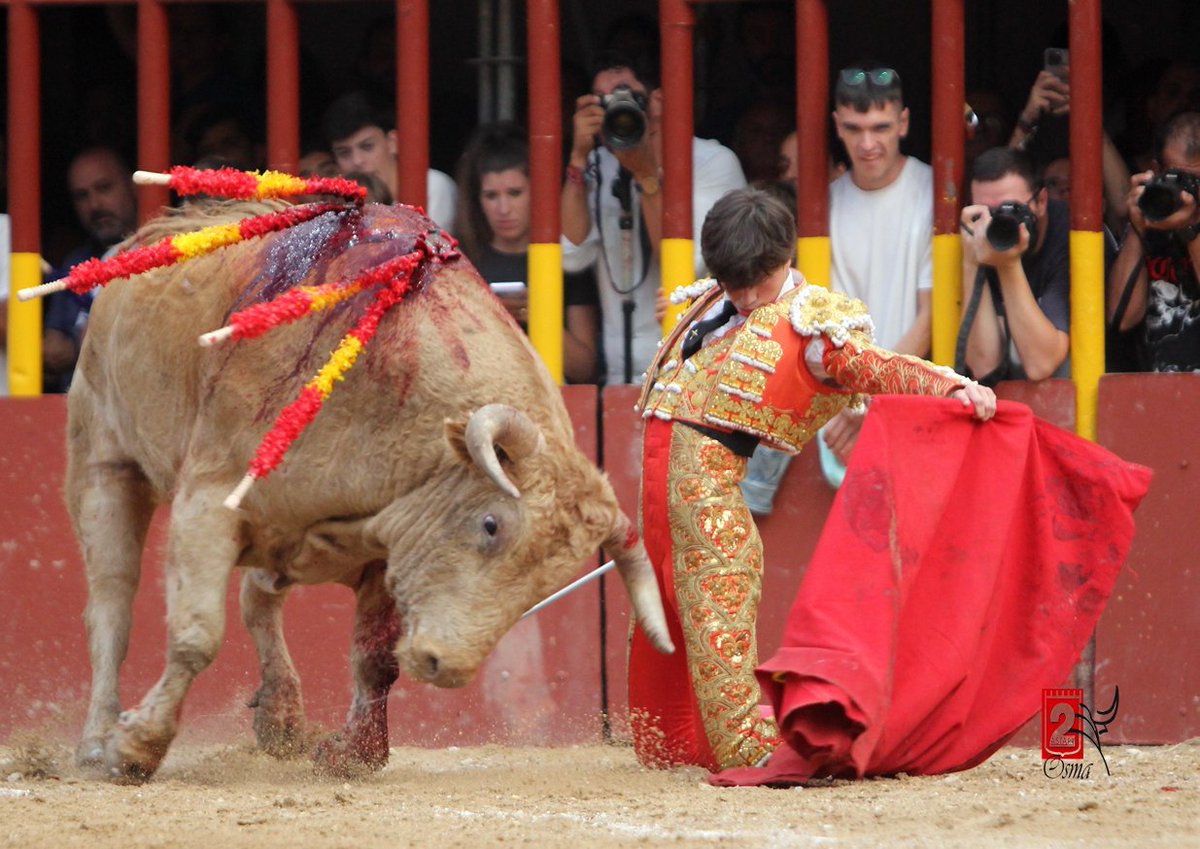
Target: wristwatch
x=649, y=185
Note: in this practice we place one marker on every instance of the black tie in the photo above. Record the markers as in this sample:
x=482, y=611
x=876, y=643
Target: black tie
x=697, y=332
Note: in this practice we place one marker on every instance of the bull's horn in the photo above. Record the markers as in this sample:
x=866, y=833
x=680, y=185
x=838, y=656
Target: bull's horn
x=634, y=567
x=512, y=430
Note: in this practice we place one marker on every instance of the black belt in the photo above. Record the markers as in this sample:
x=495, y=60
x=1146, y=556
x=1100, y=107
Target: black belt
x=742, y=444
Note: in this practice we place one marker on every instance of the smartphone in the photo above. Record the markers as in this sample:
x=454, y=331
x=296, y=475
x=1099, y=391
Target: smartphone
x=514, y=287
x=1056, y=60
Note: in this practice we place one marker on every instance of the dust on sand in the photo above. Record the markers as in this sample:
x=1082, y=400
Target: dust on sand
x=583, y=796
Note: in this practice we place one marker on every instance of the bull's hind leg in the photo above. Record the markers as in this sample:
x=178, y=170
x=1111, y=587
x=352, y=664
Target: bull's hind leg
x=204, y=545
x=278, y=706
x=362, y=744
x=111, y=505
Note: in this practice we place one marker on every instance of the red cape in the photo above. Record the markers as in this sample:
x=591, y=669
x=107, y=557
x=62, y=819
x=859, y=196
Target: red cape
x=961, y=570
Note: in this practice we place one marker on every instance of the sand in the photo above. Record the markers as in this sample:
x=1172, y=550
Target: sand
x=584, y=796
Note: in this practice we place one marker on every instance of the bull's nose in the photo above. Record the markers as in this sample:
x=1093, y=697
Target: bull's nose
x=438, y=666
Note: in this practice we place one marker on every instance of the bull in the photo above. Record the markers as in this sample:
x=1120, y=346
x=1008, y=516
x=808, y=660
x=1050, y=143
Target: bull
x=441, y=482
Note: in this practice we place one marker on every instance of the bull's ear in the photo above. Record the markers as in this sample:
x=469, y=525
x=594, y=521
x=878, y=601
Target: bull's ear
x=456, y=436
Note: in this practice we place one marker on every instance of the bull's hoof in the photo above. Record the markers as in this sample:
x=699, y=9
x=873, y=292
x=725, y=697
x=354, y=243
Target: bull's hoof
x=283, y=739
x=90, y=753
x=341, y=758
x=279, y=725
x=129, y=759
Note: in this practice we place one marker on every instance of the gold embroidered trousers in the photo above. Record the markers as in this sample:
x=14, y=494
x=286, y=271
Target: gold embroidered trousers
x=701, y=705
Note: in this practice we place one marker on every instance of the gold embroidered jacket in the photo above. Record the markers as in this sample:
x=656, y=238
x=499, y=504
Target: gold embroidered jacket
x=755, y=379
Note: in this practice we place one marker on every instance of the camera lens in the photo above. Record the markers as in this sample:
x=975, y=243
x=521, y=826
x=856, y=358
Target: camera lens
x=1159, y=200
x=624, y=121
x=1003, y=232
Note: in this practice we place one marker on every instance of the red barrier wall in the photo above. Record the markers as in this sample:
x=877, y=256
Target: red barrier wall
x=1146, y=641
x=540, y=686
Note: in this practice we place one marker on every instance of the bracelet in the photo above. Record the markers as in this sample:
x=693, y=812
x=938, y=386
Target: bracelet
x=1027, y=127
x=575, y=175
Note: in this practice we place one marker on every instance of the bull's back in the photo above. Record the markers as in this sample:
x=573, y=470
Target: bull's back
x=448, y=347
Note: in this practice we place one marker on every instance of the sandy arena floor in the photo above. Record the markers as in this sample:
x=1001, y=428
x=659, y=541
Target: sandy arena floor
x=230, y=796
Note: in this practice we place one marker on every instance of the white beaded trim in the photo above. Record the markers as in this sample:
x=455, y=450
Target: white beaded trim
x=738, y=393
x=753, y=363
x=683, y=294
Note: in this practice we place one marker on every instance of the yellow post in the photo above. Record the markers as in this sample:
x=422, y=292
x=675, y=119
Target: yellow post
x=947, y=296
x=546, y=305
x=1087, y=326
x=24, y=327
x=814, y=258
x=678, y=269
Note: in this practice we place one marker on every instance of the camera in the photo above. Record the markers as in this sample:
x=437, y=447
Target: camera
x=1004, y=230
x=624, y=118
x=1160, y=195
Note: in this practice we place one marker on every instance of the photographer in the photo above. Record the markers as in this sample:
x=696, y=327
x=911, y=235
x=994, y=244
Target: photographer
x=1164, y=220
x=612, y=204
x=1017, y=312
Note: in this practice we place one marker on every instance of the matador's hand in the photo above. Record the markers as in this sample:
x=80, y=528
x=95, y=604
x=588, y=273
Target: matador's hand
x=981, y=398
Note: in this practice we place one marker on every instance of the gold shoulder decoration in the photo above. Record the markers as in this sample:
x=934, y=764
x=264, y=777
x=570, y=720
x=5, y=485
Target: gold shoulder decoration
x=816, y=310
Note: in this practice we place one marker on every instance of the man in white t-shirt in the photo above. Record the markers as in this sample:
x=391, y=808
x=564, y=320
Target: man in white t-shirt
x=623, y=240
x=880, y=222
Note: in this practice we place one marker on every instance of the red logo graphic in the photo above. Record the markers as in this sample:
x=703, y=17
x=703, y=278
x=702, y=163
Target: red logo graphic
x=1062, y=724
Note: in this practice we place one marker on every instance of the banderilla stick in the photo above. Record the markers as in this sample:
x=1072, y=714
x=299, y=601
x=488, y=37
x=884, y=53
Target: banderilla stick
x=570, y=588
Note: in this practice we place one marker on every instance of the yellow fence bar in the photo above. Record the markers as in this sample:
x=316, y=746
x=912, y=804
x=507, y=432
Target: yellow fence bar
x=24, y=327
x=947, y=296
x=813, y=258
x=1087, y=326
x=546, y=305
x=678, y=269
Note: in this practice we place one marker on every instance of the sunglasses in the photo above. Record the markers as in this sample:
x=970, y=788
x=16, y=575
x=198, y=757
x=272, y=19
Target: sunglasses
x=878, y=76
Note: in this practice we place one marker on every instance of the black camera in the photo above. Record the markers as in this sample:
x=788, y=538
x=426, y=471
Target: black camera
x=624, y=118
x=1004, y=230
x=1161, y=194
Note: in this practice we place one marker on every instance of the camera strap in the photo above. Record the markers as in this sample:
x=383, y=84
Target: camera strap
x=1114, y=323
x=968, y=319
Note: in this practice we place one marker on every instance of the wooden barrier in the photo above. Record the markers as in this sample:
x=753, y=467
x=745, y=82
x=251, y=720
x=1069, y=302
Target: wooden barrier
x=542, y=685
x=1146, y=641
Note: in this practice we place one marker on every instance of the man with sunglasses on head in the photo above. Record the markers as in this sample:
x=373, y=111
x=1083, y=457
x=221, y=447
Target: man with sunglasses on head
x=880, y=222
x=1016, y=314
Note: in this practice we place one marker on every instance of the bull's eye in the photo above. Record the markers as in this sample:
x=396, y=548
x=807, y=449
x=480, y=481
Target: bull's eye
x=490, y=525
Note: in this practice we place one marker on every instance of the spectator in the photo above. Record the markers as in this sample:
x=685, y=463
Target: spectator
x=880, y=224
x=1020, y=329
x=1175, y=88
x=219, y=132
x=101, y=189
x=624, y=185
x=789, y=162
x=1050, y=101
x=493, y=217
x=881, y=211
x=757, y=137
x=362, y=137
x=1158, y=260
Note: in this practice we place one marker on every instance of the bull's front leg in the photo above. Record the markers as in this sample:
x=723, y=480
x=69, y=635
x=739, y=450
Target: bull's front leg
x=203, y=546
x=279, y=724
x=362, y=744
